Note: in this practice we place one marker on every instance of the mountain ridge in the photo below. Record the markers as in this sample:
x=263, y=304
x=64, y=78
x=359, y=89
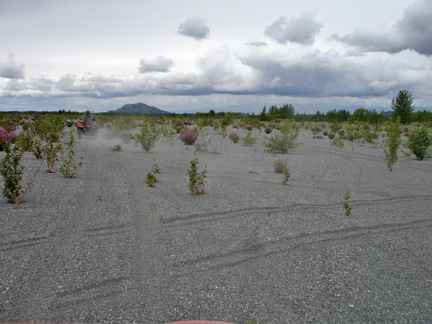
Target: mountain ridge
x=139, y=108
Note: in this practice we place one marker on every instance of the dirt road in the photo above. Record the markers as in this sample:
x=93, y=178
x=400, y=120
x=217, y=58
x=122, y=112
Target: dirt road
x=104, y=247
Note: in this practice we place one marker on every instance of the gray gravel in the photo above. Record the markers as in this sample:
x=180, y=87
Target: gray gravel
x=104, y=247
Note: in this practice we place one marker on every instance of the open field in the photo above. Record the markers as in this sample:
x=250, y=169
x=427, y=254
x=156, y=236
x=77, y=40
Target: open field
x=104, y=247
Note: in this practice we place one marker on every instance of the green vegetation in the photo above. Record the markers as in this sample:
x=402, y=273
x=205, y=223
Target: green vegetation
x=279, y=165
x=197, y=180
x=392, y=142
x=283, y=141
x=116, y=148
x=68, y=166
x=419, y=141
x=44, y=135
x=151, y=176
x=249, y=140
x=12, y=173
x=347, y=207
x=403, y=106
x=148, y=136
x=287, y=174
x=234, y=137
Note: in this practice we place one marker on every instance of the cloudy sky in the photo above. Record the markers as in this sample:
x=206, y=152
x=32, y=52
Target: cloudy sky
x=196, y=55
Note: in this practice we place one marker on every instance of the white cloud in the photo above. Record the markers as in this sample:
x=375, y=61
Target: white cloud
x=301, y=29
x=11, y=70
x=194, y=27
x=159, y=64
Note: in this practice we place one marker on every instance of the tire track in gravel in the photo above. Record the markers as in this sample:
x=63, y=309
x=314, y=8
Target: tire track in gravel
x=43, y=289
x=147, y=252
x=217, y=216
x=254, y=251
x=19, y=244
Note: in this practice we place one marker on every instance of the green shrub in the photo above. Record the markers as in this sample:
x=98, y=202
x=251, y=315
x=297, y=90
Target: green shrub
x=392, y=142
x=24, y=140
x=418, y=142
x=48, y=132
x=197, y=180
x=69, y=166
x=337, y=142
x=249, y=140
x=148, y=136
x=282, y=142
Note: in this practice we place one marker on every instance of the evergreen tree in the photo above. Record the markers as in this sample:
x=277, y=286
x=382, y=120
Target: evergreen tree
x=403, y=106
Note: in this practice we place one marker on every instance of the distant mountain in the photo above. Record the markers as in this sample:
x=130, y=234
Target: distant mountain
x=139, y=108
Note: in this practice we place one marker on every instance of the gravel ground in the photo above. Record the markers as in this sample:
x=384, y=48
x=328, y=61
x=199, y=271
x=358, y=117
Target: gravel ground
x=104, y=247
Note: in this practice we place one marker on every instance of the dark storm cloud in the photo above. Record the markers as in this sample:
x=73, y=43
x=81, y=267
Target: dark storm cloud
x=194, y=27
x=11, y=70
x=318, y=75
x=413, y=31
x=160, y=64
x=301, y=30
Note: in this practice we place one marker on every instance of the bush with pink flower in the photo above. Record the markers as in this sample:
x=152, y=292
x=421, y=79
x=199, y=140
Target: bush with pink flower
x=316, y=129
x=189, y=137
x=331, y=135
x=268, y=129
x=7, y=135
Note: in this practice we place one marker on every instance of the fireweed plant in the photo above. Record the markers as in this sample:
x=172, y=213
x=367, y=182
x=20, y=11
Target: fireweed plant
x=197, y=180
x=7, y=136
x=189, y=137
x=12, y=173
